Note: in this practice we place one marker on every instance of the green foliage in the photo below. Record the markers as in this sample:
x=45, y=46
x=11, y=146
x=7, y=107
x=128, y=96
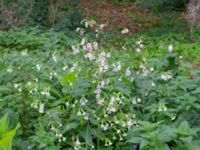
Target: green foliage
x=6, y=135
x=15, y=13
x=55, y=93
x=164, y=5
x=158, y=136
x=35, y=39
x=167, y=5
x=72, y=17
x=45, y=14
x=40, y=12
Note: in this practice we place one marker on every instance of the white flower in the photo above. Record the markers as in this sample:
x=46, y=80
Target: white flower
x=41, y=108
x=65, y=68
x=84, y=47
x=35, y=104
x=125, y=31
x=90, y=56
x=83, y=41
x=138, y=50
x=152, y=84
x=77, y=143
x=102, y=26
x=123, y=48
x=170, y=48
x=117, y=67
x=36, y=79
x=19, y=89
x=45, y=92
x=78, y=29
x=103, y=66
x=75, y=50
x=35, y=89
x=24, y=53
x=141, y=46
x=105, y=127
x=67, y=104
x=38, y=67
x=130, y=123
x=16, y=86
x=52, y=74
x=10, y=69
x=95, y=45
x=139, y=100
x=79, y=113
x=111, y=110
x=173, y=116
x=136, y=100
x=98, y=91
x=128, y=72
x=113, y=100
x=99, y=102
x=54, y=57
x=86, y=116
x=162, y=108
x=29, y=83
x=102, y=84
x=108, y=55
x=151, y=69
x=166, y=76
x=139, y=42
x=144, y=69
x=83, y=102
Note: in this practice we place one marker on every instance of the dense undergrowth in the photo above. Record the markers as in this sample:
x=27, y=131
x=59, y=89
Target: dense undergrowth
x=73, y=93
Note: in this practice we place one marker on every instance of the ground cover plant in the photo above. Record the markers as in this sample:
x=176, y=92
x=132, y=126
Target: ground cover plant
x=88, y=89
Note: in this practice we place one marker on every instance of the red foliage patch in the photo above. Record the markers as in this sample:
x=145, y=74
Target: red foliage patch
x=117, y=16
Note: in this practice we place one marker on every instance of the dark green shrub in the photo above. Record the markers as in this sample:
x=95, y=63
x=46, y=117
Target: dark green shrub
x=164, y=5
x=167, y=5
x=40, y=12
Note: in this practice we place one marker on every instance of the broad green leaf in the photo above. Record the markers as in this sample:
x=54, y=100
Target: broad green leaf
x=86, y=134
x=69, y=78
x=6, y=141
x=3, y=126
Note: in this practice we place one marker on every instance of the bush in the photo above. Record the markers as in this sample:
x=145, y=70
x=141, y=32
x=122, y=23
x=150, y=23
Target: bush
x=164, y=5
x=36, y=39
x=45, y=14
x=14, y=14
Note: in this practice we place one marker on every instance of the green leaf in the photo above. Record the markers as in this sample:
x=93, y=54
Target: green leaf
x=135, y=140
x=166, y=134
x=70, y=126
x=185, y=130
x=87, y=135
x=69, y=78
x=3, y=126
x=6, y=141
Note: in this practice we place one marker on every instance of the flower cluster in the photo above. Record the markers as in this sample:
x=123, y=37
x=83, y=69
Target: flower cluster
x=140, y=46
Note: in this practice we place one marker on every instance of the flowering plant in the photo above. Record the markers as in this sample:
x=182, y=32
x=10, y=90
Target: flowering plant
x=93, y=98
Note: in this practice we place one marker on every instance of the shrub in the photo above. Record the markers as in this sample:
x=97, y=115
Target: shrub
x=15, y=13
x=164, y=5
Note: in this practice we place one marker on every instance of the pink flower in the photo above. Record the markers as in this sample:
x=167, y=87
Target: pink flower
x=89, y=47
x=95, y=45
x=81, y=33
